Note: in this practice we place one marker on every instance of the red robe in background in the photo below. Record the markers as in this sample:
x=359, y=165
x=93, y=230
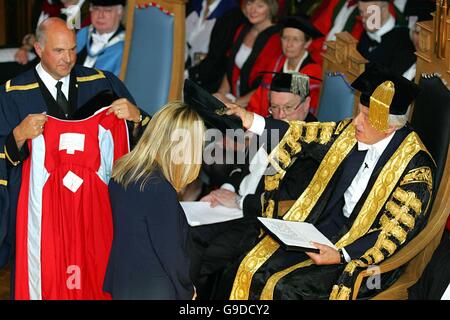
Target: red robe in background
x=64, y=223
x=259, y=101
x=267, y=47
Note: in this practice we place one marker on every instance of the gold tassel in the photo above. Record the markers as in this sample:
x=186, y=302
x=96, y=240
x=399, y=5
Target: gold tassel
x=380, y=101
x=340, y=293
x=300, y=85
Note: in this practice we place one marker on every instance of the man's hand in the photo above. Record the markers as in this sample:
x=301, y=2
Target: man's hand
x=21, y=56
x=29, y=128
x=246, y=116
x=327, y=255
x=124, y=109
x=223, y=197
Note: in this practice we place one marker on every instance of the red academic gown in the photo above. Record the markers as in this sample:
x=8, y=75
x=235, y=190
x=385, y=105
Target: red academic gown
x=267, y=47
x=64, y=223
x=259, y=101
x=323, y=20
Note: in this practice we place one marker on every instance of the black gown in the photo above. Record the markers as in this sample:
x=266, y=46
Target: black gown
x=395, y=52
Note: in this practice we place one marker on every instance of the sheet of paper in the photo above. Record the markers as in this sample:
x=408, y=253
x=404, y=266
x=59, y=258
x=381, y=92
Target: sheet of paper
x=200, y=213
x=7, y=55
x=293, y=233
x=446, y=295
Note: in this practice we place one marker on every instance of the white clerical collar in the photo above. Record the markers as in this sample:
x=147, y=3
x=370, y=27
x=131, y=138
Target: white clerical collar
x=378, y=147
x=297, y=68
x=72, y=10
x=51, y=82
x=104, y=37
x=387, y=27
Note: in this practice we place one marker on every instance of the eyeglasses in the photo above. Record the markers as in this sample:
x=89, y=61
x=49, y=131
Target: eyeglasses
x=292, y=39
x=285, y=109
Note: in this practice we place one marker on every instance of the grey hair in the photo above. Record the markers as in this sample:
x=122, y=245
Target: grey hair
x=40, y=34
x=399, y=121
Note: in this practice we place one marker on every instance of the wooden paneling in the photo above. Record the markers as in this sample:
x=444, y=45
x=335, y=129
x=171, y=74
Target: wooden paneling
x=429, y=60
x=2, y=22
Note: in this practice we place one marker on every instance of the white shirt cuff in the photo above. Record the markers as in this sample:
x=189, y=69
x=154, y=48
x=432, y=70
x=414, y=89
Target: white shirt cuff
x=258, y=125
x=228, y=186
x=346, y=255
x=241, y=202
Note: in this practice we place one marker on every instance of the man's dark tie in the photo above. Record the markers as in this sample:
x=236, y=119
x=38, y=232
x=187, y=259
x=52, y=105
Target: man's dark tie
x=61, y=99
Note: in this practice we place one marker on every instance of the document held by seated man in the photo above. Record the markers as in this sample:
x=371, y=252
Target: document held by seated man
x=199, y=213
x=296, y=235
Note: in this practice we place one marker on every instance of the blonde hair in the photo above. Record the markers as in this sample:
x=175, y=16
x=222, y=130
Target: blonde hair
x=172, y=142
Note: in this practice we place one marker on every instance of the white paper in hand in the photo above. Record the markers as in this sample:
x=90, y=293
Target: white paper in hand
x=200, y=213
x=296, y=234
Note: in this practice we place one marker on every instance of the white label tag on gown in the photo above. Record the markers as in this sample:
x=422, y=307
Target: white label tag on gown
x=71, y=142
x=72, y=182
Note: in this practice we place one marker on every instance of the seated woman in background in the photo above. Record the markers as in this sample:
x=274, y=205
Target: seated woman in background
x=296, y=36
x=148, y=258
x=255, y=44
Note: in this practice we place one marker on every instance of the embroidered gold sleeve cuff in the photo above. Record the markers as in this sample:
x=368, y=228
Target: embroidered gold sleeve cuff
x=12, y=153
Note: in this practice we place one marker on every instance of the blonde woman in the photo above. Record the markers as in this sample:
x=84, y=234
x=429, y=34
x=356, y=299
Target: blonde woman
x=148, y=258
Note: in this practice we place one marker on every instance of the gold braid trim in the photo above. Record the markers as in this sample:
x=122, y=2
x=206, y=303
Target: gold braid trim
x=2, y=156
x=409, y=199
x=383, y=187
x=419, y=175
x=327, y=132
x=341, y=126
x=267, y=292
x=31, y=86
x=390, y=228
x=272, y=182
x=3, y=182
x=266, y=247
x=340, y=293
x=334, y=157
x=145, y=121
x=14, y=163
x=268, y=213
x=252, y=262
x=292, y=139
x=312, y=130
x=99, y=75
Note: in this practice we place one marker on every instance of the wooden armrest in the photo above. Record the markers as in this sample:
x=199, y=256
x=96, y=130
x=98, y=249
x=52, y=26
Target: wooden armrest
x=284, y=206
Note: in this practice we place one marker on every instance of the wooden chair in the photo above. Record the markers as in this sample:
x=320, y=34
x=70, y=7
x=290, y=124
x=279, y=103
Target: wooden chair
x=431, y=119
x=153, y=59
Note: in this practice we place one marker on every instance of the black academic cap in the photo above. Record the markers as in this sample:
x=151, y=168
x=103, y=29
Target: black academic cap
x=374, y=75
x=102, y=99
x=296, y=83
x=301, y=24
x=105, y=3
x=211, y=109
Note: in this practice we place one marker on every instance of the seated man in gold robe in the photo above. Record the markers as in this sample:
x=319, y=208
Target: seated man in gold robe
x=370, y=196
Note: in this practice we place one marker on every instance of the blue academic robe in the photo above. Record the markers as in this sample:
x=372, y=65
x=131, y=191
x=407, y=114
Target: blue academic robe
x=109, y=58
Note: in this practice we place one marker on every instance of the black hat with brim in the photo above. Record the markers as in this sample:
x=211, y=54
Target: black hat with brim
x=374, y=75
x=211, y=109
x=301, y=24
